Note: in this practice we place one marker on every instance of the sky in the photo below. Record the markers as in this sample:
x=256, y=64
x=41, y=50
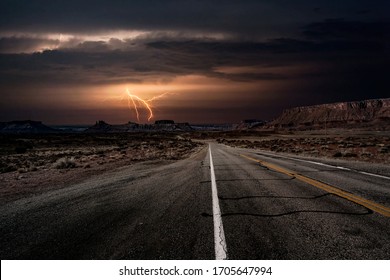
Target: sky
x=199, y=61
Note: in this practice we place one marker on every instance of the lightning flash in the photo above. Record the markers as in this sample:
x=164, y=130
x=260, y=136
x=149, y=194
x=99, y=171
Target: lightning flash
x=134, y=102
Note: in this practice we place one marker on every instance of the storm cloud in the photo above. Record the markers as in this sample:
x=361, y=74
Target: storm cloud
x=301, y=52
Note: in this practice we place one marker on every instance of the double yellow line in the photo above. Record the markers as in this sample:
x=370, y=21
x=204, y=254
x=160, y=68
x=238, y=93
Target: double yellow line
x=381, y=209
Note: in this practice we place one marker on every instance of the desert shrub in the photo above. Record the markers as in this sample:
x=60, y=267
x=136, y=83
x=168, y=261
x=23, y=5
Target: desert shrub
x=338, y=154
x=350, y=154
x=366, y=154
x=65, y=163
x=22, y=170
x=22, y=146
x=7, y=168
x=33, y=168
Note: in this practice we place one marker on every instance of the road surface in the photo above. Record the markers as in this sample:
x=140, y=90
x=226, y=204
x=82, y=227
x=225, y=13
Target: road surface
x=271, y=207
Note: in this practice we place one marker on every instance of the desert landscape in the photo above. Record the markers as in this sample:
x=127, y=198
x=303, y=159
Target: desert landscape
x=35, y=157
x=364, y=146
x=31, y=163
x=194, y=130
x=34, y=163
x=357, y=130
x=107, y=179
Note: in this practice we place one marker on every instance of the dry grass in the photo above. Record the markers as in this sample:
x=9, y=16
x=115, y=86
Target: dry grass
x=65, y=163
x=27, y=153
x=363, y=148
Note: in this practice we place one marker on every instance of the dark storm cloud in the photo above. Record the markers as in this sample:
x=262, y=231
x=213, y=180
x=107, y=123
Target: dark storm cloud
x=93, y=62
x=292, y=47
x=68, y=67
x=79, y=16
x=348, y=30
x=88, y=15
x=247, y=17
x=24, y=44
x=330, y=44
x=275, y=46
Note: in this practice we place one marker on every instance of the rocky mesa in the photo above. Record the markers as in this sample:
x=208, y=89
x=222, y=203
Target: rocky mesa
x=367, y=114
x=27, y=126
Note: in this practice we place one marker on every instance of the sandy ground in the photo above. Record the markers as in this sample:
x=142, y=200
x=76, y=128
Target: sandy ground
x=356, y=146
x=35, y=163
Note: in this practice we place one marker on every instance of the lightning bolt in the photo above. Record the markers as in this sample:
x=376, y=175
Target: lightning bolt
x=158, y=96
x=134, y=102
x=142, y=101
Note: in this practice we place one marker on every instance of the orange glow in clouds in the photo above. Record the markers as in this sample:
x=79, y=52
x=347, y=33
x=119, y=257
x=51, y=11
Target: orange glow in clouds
x=176, y=99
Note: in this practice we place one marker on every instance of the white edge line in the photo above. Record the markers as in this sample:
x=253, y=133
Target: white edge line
x=338, y=167
x=376, y=175
x=219, y=234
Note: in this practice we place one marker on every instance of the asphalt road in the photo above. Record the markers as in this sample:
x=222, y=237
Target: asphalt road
x=165, y=211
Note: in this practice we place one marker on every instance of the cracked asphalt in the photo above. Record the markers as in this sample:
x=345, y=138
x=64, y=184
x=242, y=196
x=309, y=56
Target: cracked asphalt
x=157, y=210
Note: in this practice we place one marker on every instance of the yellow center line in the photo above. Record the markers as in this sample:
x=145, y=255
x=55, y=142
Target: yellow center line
x=381, y=209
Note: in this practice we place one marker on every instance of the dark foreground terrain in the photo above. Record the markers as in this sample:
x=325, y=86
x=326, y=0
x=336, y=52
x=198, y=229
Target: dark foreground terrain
x=30, y=163
x=363, y=146
x=272, y=204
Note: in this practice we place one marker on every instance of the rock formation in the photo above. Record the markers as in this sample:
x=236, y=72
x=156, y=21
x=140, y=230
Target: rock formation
x=102, y=127
x=374, y=113
x=27, y=126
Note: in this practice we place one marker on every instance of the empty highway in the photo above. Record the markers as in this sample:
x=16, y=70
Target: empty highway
x=238, y=204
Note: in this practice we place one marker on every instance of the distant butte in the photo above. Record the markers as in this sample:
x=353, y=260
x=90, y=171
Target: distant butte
x=26, y=126
x=371, y=114
x=163, y=125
